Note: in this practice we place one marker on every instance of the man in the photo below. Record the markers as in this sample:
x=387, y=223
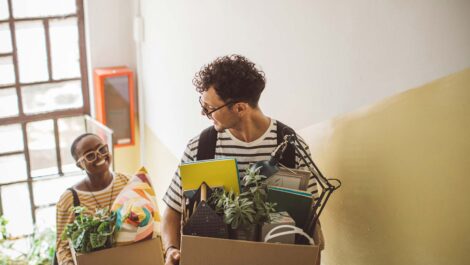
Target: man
x=230, y=89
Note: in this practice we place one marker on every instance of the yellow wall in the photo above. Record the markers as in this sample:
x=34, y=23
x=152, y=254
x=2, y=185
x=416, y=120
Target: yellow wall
x=127, y=159
x=160, y=163
x=405, y=167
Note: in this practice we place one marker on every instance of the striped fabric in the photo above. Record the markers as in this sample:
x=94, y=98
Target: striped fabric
x=64, y=216
x=245, y=153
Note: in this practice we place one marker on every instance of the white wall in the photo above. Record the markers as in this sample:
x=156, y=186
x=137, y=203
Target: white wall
x=109, y=38
x=108, y=30
x=321, y=58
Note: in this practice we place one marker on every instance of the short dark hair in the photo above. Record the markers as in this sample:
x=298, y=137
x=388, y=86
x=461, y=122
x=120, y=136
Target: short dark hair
x=234, y=78
x=73, y=148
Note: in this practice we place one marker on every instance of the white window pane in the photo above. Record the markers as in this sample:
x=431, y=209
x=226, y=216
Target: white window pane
x=18, y=247
x=17, y=209
x=69, y=129
x=41, y=144
x=50, y=97
x=49, y=191
x=5, y=38
x=13, y=168
x=32, y=57
x=40, y=8
x=11, y=138
x=4, y=9
x=45, y=218
x=64, y=48
x=7, y=72
x=9, y=103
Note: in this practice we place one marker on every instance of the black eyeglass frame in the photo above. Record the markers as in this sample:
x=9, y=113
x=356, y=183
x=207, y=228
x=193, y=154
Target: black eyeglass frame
x=209, y=113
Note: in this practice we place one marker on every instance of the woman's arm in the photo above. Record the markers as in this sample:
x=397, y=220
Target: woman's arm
x=63, y=217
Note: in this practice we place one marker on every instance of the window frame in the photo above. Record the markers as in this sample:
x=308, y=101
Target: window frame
x=22, y=118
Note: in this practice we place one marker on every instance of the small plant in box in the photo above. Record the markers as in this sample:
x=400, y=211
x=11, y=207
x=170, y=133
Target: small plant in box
x=88, y=233
x=244, y=213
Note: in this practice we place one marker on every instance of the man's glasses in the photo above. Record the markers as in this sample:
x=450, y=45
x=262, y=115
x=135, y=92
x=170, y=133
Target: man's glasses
x=91, y=156
x=208, y=112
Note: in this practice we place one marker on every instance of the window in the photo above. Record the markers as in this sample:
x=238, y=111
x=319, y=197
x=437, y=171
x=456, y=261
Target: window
x=43, y=97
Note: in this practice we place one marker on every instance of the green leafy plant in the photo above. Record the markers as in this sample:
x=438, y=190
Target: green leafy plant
x=249, y=208
x=40, y=252
x=89, y=233
x=256, y=191
x=5, y=245
x=42, y=247
x=237, y=210
x=3, y=228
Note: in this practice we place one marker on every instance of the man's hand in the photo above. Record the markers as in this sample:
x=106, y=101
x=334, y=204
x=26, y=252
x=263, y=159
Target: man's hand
x=171, y=224
x=172, y=256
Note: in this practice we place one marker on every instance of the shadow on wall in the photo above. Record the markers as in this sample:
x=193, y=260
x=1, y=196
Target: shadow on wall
x=404, y=163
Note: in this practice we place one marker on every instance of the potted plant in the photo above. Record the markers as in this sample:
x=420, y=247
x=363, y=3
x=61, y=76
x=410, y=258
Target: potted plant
x=244, y=213
x=89, y=233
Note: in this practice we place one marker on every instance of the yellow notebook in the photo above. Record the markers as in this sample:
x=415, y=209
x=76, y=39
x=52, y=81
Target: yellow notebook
x=215, y=172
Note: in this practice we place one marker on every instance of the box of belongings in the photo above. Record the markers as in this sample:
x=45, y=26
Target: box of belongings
x=199, y=247
x=148, y=252
x=214, y=251
x=137, y=228
x=204, y=239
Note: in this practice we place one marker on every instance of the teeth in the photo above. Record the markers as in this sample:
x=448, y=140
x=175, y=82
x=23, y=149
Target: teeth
x=100, y=163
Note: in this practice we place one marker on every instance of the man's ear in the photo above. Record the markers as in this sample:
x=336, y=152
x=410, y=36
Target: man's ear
x=241, y=107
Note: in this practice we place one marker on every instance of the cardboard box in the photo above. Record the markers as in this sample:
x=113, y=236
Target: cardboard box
x=213, y=251
x=147, y=252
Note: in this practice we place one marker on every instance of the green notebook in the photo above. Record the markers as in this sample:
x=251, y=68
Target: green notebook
x=296, y=202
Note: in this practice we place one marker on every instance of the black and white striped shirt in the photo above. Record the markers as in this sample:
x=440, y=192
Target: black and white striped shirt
x=245, y=153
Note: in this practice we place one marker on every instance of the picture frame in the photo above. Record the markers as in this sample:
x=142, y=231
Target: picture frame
x=289, y=178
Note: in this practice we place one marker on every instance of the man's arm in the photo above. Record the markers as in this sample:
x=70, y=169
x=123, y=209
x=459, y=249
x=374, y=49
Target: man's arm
x=171, y=221
x=171, y=234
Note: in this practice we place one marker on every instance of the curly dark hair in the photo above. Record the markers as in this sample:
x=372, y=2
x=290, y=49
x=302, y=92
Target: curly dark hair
x=234, y=78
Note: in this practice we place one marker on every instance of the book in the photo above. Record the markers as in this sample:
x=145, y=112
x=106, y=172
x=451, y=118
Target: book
x=296, y=202
x=215, y=172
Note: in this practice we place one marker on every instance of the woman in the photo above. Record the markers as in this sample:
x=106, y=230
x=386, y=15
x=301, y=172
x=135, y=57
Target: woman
x=97, y=190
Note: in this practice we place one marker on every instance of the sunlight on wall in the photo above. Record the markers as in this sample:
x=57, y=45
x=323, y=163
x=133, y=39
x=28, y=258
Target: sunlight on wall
x=161, y=164
x=127, y=159
x=404, y=166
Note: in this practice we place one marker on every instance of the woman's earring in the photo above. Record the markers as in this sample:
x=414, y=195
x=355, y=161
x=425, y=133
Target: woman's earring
x=79, y=165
